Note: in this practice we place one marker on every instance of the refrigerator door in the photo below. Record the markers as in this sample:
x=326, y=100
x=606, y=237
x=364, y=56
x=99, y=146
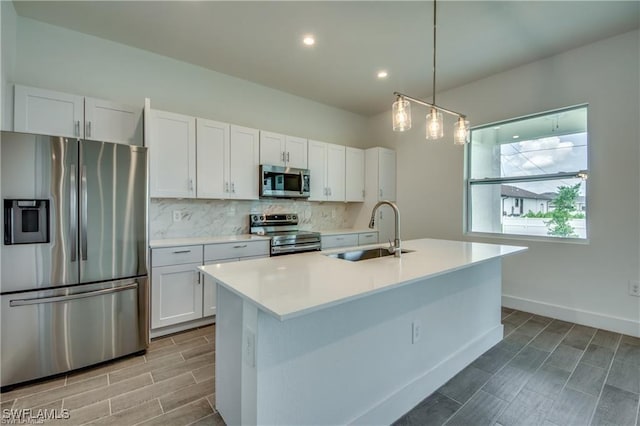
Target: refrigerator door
x=52, y=331
x=113, y=210
x=36, y=167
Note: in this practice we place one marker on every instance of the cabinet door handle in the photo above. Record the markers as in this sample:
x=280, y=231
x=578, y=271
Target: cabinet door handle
x=368, y=236
x=240, y=246
x=233, y=187
x=287, y=157
x=226, y=187
x=381, y=192
x=78, y=128
x=283, y=158
x=329, y=191
x=198, y=274
x=181, y=251
x=87, y=129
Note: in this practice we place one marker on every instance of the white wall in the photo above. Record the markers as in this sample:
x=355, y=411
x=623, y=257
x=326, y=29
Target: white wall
x=55, y=58
x=581, y=282
x=8, y=19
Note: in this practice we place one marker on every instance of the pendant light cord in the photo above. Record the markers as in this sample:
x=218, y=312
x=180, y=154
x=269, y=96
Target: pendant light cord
x=433, y=97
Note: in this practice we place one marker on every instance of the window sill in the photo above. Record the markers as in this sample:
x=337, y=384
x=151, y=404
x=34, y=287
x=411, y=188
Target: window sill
x=539, y=239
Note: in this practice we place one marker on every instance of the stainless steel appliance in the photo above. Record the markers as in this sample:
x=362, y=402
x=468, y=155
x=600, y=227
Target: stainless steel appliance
x=283, y=182
x=284, y=233
x=79, y=296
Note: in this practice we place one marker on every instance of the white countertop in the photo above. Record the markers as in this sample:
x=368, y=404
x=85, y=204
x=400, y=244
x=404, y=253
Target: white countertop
x=346, y=231
x=293, y=285
x=177, y=242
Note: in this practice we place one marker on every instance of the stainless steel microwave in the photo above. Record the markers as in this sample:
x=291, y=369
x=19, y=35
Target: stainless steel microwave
x=283, y=182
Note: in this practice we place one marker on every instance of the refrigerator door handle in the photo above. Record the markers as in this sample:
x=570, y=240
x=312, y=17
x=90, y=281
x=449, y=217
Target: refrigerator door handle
x=54, y=299
x=73, y=212
x=83, y=217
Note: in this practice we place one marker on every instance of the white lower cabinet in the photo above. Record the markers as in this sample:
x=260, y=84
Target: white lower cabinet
x=176, y=294
x=182, y=297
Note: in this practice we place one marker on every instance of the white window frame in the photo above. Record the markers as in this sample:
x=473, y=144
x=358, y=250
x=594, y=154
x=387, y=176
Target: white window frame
x=469, y=182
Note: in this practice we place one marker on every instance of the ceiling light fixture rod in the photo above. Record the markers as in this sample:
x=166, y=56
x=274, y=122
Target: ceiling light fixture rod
x=401, y=108
x=433, y=95
x=427, y=104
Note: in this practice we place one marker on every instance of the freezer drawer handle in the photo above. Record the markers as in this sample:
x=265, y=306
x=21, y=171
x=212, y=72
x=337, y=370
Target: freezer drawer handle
x=181, y=251
x=37, y=301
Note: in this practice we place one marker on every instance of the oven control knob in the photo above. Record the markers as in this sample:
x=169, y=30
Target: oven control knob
x=254, y=218
x=263, y=218
x=288, y=217
x=294, y=217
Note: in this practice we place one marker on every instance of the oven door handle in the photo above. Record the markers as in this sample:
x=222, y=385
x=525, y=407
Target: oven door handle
x=293, y=249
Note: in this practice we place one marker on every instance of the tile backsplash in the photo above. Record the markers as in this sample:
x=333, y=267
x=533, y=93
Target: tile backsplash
x=210, y=218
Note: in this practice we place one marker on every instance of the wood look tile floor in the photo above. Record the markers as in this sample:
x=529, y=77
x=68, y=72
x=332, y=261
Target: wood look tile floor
x=172, y=384
x=545, y=372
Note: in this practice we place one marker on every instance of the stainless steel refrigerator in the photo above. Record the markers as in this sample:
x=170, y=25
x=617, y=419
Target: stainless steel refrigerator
x=74, y=283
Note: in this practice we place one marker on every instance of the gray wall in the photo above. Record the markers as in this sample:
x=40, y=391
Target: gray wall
x=58, y=59
x=581, y=282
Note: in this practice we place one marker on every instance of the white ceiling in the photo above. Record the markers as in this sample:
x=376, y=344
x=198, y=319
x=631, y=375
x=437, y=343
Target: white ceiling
x=261, y=41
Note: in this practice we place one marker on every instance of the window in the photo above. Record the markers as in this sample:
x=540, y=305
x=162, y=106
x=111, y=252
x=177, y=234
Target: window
x=527, y=176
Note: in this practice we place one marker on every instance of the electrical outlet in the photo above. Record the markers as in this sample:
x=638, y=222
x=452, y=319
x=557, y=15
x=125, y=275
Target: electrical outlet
x=415, y=332
x=634, y=288
x=177, y=216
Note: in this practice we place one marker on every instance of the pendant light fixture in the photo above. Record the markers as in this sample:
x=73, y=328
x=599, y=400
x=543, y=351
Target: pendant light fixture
x=401, y=109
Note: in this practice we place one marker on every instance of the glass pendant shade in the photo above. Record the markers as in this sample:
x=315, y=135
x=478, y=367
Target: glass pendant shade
x=401, y=111
x=461, y=131
x=435, y=125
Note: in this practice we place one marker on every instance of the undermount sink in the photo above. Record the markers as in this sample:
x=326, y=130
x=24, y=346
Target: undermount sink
x=358, y=255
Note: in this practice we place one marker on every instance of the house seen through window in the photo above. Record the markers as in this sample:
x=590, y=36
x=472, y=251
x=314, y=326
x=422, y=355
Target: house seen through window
x=527, y=176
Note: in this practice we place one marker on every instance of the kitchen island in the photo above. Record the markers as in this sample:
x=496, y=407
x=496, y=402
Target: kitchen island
x=312, y=339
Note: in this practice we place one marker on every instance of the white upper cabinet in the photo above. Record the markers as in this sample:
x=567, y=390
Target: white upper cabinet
x=327, y=168
x=244, y=159
x=111, y=122
x=199, y=158
x=48, y=112
x=296, y=150
x=387, y=174
x=61, y=114
x=172, y=151
x=380, y=171
x=335, y=172
x=354, y=172
x=318, y=171
x=212, y=159
x=283, y=150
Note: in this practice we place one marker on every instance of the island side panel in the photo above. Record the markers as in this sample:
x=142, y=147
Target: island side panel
x=228, y=359
x=356, y=363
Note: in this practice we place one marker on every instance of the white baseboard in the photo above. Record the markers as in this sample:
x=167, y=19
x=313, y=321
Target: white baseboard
x=404, y=399
x=578, y=316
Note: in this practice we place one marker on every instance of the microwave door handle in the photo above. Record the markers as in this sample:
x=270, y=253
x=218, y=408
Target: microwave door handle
x=301, y=182
x=73, y=212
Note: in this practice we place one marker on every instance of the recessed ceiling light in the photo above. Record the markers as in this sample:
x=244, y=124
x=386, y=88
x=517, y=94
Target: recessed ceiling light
x=309, y=40
x=383, y=74
x=515, y=136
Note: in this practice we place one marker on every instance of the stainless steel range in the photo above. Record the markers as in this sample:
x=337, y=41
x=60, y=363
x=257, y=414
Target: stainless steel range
x=284, y=233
